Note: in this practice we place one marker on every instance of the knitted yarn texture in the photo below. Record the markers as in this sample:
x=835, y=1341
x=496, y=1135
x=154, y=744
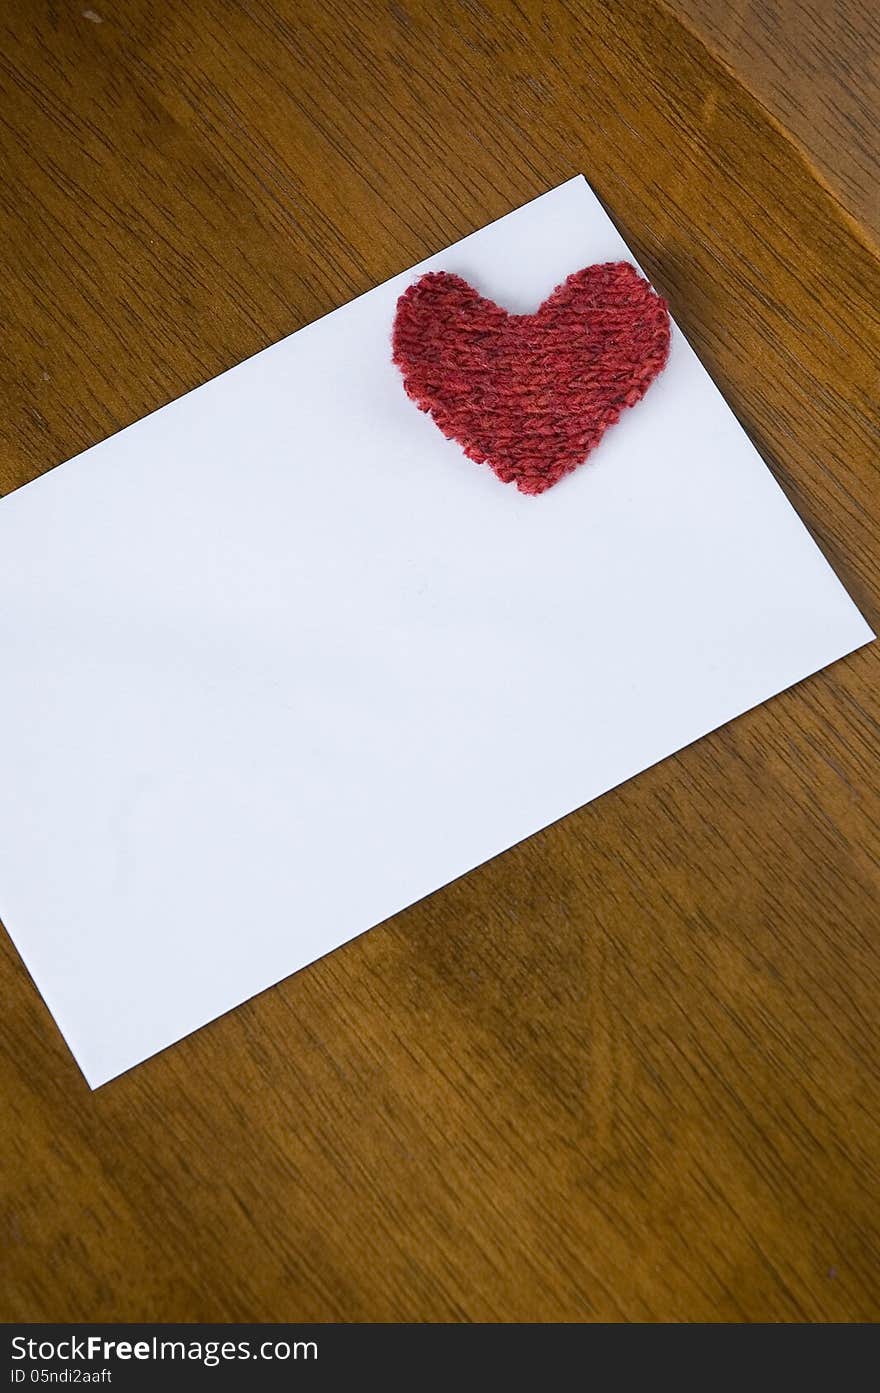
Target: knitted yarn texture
x=531, y=395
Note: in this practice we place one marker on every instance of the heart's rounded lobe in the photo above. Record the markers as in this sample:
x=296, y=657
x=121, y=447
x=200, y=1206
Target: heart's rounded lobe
x=531, y=394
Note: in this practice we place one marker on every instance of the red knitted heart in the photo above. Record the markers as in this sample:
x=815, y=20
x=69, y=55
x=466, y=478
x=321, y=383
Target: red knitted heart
x=531, y=394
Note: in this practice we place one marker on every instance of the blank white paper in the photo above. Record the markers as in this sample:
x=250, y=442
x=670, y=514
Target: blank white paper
x=279, y=660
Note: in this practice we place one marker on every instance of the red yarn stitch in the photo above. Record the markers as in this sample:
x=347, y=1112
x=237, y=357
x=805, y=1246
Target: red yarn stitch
x=531, y=394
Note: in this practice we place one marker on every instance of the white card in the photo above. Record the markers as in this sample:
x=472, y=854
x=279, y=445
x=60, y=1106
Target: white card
x=279, y=660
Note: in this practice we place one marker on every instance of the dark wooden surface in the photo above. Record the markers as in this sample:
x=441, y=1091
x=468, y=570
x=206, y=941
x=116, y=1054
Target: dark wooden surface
x=815, y=67
x=628, y=1070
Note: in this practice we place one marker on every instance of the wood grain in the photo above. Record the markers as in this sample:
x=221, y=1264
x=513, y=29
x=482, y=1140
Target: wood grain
x=628, y=1070
x=816, y=68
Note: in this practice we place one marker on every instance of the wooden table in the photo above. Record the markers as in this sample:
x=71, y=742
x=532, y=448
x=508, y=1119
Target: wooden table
x=628, y=1070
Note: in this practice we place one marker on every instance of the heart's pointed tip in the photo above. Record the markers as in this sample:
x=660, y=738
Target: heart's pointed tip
x=532, y=487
